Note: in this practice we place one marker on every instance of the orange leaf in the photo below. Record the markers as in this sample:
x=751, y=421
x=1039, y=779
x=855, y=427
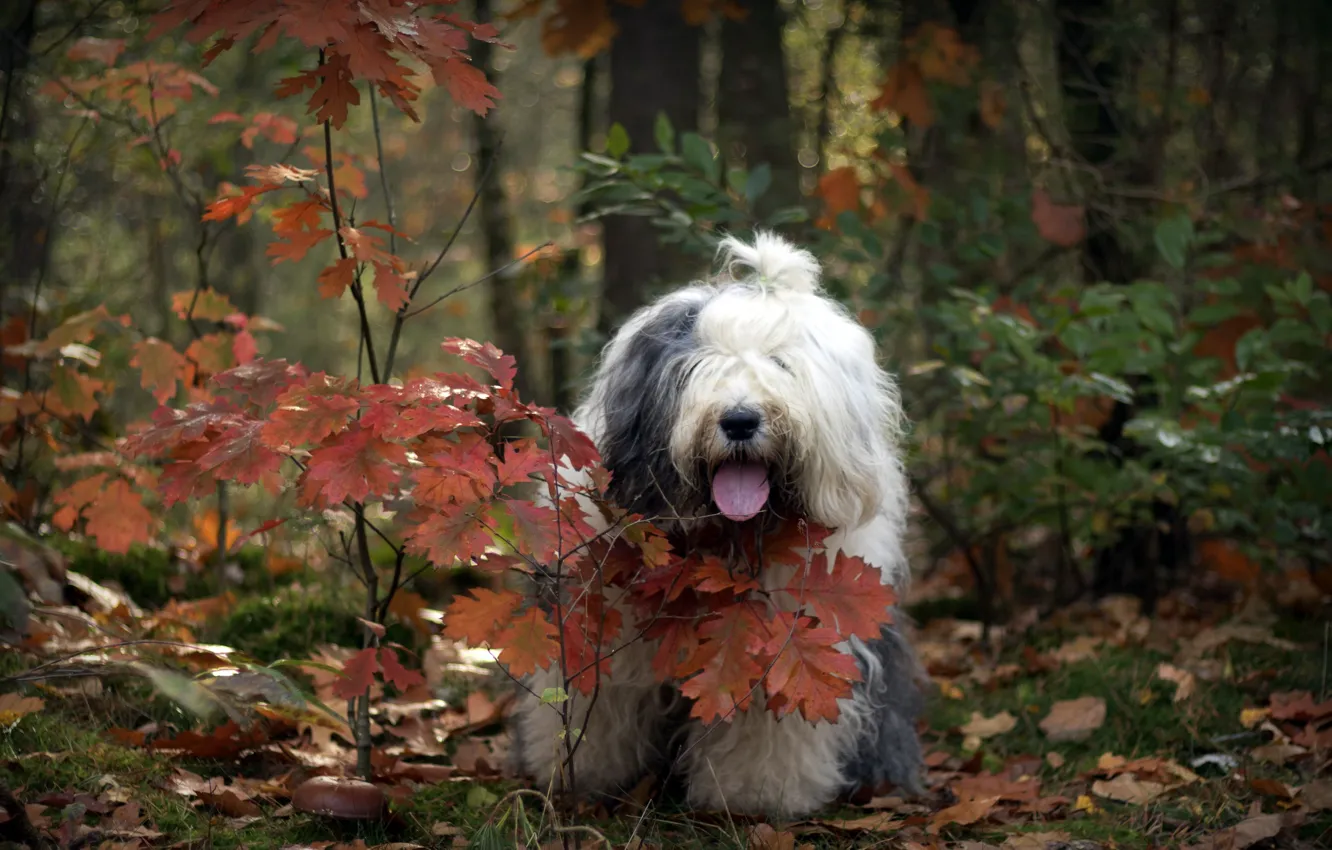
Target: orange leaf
x=529, y=643
x=840, y=190
x=162, y=367
x=395, y=674
x=104, y=50
x=73, y=499
x=334, y=279
x=460, y=534
x=808, y=675
x=117, y=519
x=207, y=304
x=849, y=598
x=331, y=97
x=467, y=85
x=992, y=104
x=478, y=618
x=904, y=93
x=73, y=393
x=963, y=813
x=390, y=287
x=1063, y=225
x=212, y=353
x=296, y=244
x=310, y=412
x=725, y=667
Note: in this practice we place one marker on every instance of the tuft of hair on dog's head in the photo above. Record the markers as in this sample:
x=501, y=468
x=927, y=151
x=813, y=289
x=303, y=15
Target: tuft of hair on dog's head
x=773, y=263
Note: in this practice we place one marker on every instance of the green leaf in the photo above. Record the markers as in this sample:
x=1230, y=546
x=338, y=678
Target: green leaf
x=1173, y=236
x=479, y=797
x=944, y=273
x=1212, y=314
x=617, y=140
x=183, y=690
x=553, y=696
x=760, y=178
x=789, y=215
x=1302, y=289
x=698, y=155
x=1249, y=346
x=665, y=133
x=1150, y=309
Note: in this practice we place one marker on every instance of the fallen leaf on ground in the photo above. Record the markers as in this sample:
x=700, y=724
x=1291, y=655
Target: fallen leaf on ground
x=1299, y=706
x=983, y=727
x=963, y=814
x=1251, y=717
x=1080, y=648
x=870, y=823
x=1251, y=831
x=763, y=836
x=1074, y=720
x=1272, y=788
x=1034, y=840
x=1183, y=680
x=13, y=707
x=1127, y=788
x=1317, y=795
x=969, y=788
x=1277, y=753
x=1054, y=759
x=1210, y=639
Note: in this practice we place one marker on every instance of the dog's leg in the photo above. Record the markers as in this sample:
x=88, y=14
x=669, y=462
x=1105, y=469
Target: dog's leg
x=617, y=742
x=757, y=764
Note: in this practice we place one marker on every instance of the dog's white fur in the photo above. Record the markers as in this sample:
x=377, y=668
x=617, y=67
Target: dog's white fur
x=770, y=340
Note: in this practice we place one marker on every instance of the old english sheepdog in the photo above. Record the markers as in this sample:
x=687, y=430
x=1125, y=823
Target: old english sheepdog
x=752, y=398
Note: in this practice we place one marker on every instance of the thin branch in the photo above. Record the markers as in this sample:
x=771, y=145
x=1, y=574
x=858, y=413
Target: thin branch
x=357, y=292
x=487, y=276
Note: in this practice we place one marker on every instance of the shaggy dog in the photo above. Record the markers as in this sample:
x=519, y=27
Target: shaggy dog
x=753, y=399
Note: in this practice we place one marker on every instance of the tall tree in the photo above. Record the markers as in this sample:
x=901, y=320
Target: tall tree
x=23, y=221
x=654, y=68
x=508, y=327
x=753, y=100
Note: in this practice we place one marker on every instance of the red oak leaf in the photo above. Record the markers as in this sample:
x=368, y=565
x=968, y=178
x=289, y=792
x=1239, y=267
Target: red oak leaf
x=334, y=279
x=529, y=643
x=460, y=534
x=521, y=460
x=677, y=642
x=791, y=544
x=500, y=366
x=261, y=381
x=395, y=674
x=239, y=454
x=355, y=465
x=390, y=287
x=71, y=501
x=467, y=84
x=172, y=428
x=117, y=519
x=711, y=575
x=302, y=215
x=808, y=675
x=478, y=618
x=331, y=98
x=536, y=531
x=244, y=347
x=358, y=674
x=589, y=632
x=1063, y=225
x=310, y=412
x=849, y=598
x=295, y=244
x=569, y=443
x=725, y=666
x=393, y=422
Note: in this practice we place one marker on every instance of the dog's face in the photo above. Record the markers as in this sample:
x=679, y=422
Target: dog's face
x=747, y=398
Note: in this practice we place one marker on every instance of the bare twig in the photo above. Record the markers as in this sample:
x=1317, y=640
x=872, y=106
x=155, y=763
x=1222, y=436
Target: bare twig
x=485, y=277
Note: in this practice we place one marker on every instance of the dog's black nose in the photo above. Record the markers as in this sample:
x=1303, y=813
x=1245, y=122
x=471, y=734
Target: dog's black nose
x=740, y=424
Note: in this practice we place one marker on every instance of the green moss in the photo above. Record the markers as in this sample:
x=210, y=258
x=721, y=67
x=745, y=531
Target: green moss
x=292, y=622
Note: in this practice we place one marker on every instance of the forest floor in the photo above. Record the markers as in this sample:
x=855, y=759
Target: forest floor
x=1208, y=725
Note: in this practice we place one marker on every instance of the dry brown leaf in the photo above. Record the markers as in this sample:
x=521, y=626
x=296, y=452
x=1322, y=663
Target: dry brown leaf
x=1249, y=832
x=987, y=727
x=870, y=823
x=1127, y=788
x=763, y=836
x=963, y=813
x=1277, y=753
x=1317, y=795
x=13, y=707
x=1210, y=639
x=1272, y=788
x=1183, y=680
x=1034, y=840
x=1251, y=717
x=1080, y=648
x=1074, y=720
x=1054, y=759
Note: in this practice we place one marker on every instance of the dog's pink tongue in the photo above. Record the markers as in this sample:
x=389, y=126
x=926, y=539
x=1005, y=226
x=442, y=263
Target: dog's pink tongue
x=740, y=489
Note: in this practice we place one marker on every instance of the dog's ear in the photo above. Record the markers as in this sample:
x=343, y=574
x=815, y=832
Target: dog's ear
x=635, y=401
x=851, y=456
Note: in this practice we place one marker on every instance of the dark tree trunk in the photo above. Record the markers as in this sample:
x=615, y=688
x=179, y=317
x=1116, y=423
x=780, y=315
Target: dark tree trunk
x=654, y=68
x=1091, y=74
x=506, y=314
x=24, y=229
x=753, y=101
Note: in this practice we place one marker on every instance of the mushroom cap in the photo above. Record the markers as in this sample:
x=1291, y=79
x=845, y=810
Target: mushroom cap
x=335, y=797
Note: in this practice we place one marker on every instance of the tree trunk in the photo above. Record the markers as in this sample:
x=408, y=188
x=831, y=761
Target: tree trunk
x=508, y=327
x=753, y=102
x=24, y=229
x=654, y=68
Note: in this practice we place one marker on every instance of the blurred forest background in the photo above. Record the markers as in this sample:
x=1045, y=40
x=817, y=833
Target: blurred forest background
x=1092, y=237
